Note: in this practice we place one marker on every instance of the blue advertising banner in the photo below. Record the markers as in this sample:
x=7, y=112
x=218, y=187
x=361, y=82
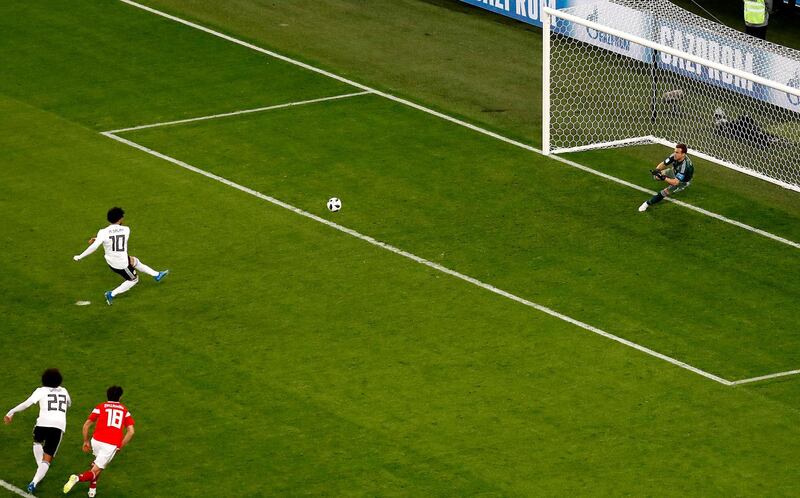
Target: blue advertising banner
x=528, y=11
x=614, y=16
x=734, y=53
x=716, y=47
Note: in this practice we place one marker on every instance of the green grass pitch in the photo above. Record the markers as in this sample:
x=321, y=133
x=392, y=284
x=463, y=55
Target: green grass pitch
x=282, y=357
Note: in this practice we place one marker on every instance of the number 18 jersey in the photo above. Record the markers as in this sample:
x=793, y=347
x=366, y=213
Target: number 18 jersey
x=111, y=417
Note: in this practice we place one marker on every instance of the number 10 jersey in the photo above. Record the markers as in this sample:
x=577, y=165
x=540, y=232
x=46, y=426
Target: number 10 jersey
x=115, y=243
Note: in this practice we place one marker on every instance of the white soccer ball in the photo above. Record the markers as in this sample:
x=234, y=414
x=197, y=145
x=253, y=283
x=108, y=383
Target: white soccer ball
x=334, y=204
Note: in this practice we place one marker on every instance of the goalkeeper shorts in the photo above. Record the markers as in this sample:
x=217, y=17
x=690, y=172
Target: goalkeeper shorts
x=674, y=189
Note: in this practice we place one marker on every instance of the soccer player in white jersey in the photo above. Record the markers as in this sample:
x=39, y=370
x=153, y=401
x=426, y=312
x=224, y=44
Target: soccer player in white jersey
x=114, y=239
x=53, y=402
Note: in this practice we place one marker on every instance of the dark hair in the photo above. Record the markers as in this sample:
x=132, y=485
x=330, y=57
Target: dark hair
x=51, y=377
x=114, y=393
x=115, y=214
x=682, y=147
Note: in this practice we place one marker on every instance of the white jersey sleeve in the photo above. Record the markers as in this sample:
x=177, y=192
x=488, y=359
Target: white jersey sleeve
x=53, y=405
x=98, y=241
x=32, y=399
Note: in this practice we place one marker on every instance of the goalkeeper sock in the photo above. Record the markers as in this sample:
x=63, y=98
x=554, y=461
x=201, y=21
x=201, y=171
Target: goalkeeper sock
x=656, y=198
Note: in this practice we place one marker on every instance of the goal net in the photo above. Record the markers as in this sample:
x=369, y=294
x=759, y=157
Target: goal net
x=624, y=72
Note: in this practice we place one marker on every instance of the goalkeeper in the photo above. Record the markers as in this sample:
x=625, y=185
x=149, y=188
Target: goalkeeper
x=677, y=170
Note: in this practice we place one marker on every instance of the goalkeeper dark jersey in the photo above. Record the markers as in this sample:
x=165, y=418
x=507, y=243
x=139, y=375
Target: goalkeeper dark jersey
x=683, y=170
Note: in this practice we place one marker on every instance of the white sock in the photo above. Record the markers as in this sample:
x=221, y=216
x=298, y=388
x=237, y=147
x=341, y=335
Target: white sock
x=144, y=268
x=124, y=286
x=40, y=472
x=38, y=452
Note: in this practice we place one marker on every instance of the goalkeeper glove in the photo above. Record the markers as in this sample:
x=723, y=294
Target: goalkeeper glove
x=657, y=175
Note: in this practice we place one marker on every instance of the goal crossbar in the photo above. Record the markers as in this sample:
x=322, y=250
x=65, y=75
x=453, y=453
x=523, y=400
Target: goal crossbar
x=759, y=152
x=669, y=50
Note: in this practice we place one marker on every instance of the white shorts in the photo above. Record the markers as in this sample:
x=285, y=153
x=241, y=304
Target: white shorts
x=103, y=453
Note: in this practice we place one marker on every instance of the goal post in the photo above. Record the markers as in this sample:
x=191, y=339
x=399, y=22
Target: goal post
x=546, y=82
x=628, y=72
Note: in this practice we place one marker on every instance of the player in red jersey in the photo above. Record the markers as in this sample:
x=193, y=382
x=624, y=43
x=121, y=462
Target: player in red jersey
x=113, y=432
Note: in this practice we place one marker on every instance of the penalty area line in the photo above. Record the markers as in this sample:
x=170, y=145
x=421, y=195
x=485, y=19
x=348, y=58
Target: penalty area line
x=15, y=489
x=765, y=377
x=451, y=119
x=423, y=261
x=237, y=113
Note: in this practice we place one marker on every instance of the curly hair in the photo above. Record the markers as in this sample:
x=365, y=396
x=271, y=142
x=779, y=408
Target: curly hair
x=51, y=378
x=115, y=214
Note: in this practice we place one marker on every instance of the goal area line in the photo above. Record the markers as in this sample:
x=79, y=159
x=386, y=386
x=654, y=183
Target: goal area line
x=239, y=113
x=765, y=377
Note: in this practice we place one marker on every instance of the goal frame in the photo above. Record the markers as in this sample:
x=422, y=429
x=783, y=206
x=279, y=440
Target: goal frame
x=549, y=12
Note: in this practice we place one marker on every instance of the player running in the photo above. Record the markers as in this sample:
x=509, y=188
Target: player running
x=677, y=170
x=53, y=402
x=113, y=432
x=114, y=239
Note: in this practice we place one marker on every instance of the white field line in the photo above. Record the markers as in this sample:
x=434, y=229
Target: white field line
x=765, y=377
x=700, y=210
x=420, y=260
x=452, y=119
x=15, y=489
x=237, y=113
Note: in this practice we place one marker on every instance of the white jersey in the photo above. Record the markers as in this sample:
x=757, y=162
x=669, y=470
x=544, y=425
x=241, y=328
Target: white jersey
x=53, y=405
x=114, y=239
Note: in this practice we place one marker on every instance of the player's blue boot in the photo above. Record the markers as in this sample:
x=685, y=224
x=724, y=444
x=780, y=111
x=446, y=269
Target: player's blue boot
x=109, y=298
x=31, y=488
x=161, y=275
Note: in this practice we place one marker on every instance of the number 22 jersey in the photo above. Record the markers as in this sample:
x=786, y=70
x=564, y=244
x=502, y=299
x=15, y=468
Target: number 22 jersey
x=111, y=417
x=53, y=405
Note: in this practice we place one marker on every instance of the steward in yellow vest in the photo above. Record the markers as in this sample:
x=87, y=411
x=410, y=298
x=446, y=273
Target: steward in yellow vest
x=756, y=17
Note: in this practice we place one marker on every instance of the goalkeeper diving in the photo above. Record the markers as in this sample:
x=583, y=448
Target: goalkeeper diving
x=677, y=170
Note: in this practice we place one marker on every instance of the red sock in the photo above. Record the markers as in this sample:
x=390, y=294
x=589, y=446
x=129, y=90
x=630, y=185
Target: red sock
x=93, y=484
x=86, y=476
